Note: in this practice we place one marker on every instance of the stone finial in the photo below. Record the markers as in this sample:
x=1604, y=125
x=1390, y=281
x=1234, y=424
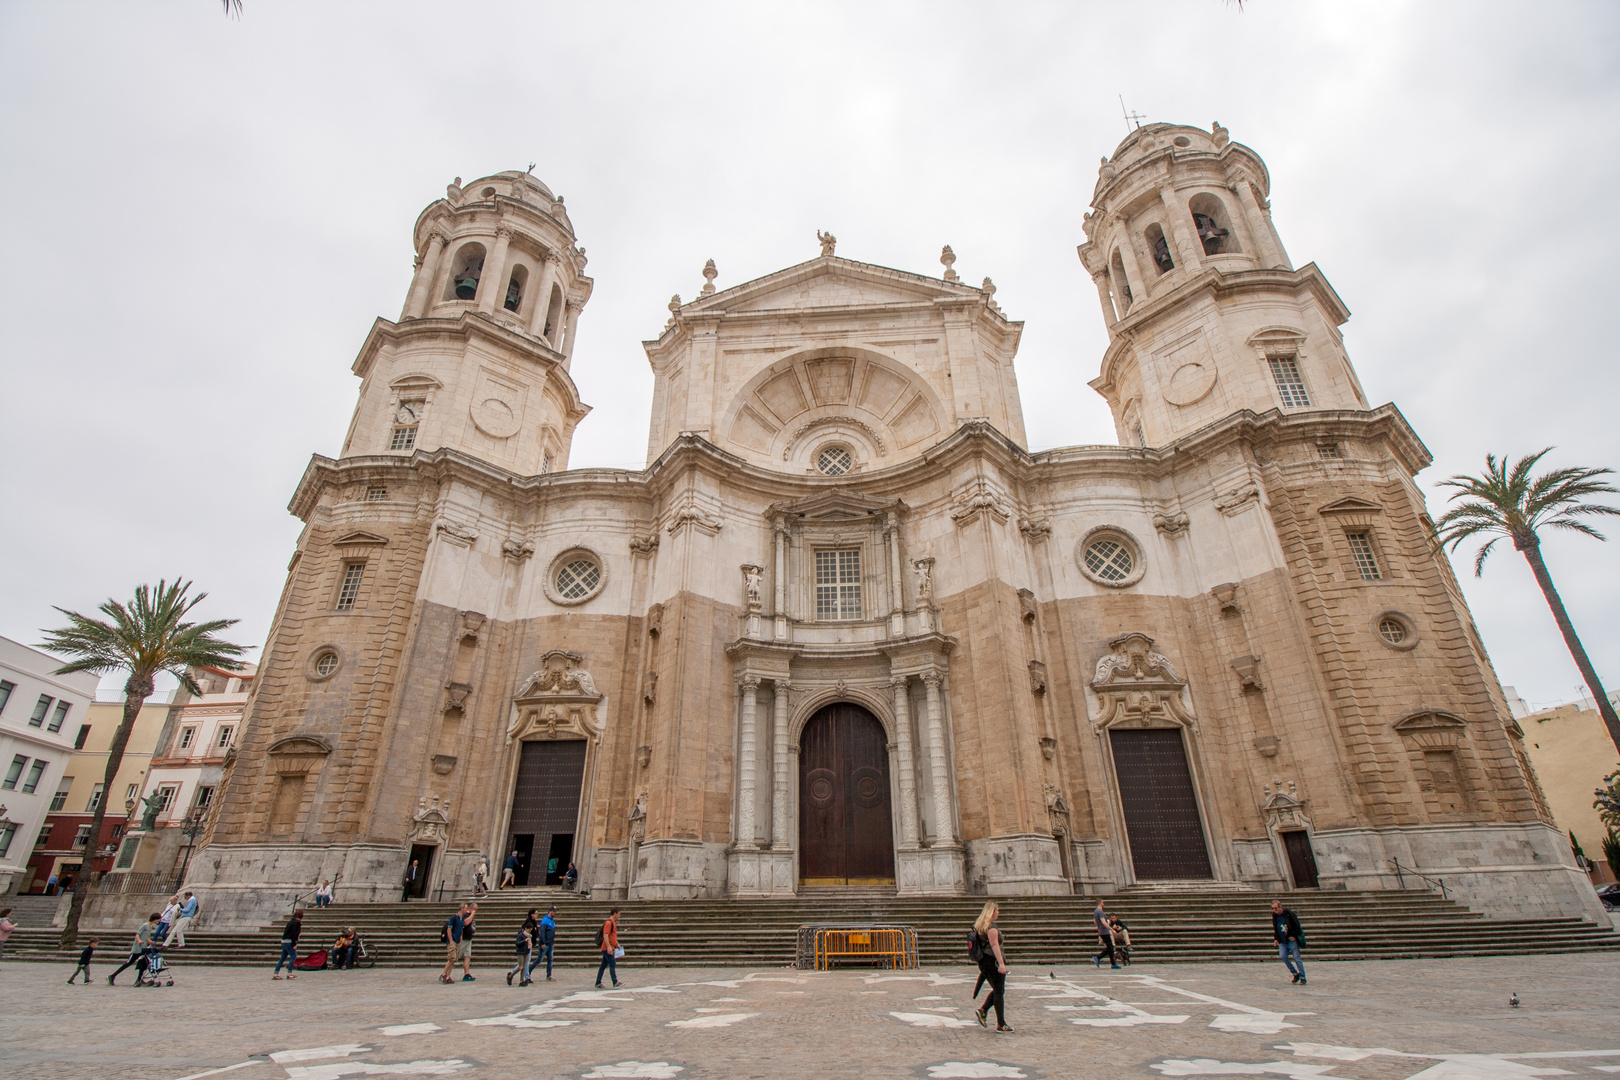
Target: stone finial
x=1106, y=170
x=948, y=258
x=989, y=290
x=828, y=243
x=1219, y=134
x=452, y=190
x=709, y=274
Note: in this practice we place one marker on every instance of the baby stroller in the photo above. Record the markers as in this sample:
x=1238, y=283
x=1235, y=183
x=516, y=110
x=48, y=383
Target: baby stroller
x=1122, y=941
x=150, y=970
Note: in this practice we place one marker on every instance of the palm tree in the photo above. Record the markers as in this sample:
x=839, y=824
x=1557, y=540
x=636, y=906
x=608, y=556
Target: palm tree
x=143, y=637
x=1511, y=503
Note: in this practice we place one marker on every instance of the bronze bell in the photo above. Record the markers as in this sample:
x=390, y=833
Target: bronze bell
x=466, y=288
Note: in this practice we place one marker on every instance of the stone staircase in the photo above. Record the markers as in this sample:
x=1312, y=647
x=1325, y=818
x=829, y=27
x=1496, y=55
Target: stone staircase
x=1166, y=925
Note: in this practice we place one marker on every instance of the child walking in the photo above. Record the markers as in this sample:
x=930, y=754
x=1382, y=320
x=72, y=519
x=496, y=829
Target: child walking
x=84, y=962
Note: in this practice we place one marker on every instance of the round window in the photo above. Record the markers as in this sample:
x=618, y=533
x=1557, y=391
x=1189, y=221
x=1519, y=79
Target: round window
x=1395, y=630
x=1392, y=631
x=326, y=663
x=323, y=662
x=1110, y=556
x=1110, y=560
x=834, y=460
x=578, y=577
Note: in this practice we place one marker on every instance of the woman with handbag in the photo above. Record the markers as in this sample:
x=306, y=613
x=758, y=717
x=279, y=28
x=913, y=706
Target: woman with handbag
x=992, y=966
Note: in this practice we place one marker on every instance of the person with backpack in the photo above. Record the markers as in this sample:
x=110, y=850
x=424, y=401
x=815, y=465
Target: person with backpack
x=985, y=949
x=289, y=945
x=547, y=940
x=524, y=948
x=457, y=935
x=607, y=940
x=1290, y=939
x=1105, y=938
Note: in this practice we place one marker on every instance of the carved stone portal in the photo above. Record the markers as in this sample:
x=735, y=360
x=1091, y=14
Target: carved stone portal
x=1138, y=687
x=558, y=701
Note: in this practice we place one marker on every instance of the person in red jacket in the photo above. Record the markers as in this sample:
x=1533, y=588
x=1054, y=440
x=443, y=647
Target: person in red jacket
x=610, y=949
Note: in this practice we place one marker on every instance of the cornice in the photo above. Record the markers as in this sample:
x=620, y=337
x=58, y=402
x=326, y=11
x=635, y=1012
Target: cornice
x=1170, y=159
x=442, y=210
x=466, y=327
x=1215, y=284
x=974, y=439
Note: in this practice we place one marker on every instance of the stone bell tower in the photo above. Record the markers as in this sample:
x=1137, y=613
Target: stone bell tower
x=1206, y=315
x=478, y=361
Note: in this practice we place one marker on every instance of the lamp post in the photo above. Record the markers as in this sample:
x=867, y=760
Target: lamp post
x=190, y=828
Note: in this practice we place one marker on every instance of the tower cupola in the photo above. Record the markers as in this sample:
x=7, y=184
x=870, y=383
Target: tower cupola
x=1205, y=313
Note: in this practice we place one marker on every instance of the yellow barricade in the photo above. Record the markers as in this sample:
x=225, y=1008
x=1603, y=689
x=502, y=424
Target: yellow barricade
x=890, y=947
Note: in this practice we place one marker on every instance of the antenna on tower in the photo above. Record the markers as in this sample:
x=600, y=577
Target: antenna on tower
x=1130, y=117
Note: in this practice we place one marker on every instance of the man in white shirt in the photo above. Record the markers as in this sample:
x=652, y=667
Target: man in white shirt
x=188, y=911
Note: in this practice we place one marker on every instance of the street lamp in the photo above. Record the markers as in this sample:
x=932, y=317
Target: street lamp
x=191, y=828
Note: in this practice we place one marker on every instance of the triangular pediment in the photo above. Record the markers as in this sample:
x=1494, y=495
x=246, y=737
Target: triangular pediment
x=359, y=538
x=839, y=504
x=1351, y=505
x=829, y=283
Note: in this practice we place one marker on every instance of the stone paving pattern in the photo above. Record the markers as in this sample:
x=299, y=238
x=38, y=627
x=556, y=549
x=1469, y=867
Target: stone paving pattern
x=1397, y=1020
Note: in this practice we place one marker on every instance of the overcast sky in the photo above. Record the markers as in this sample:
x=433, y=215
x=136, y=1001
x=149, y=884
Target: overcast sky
x=203, y=216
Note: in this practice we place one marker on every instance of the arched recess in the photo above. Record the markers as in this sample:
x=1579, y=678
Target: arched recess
x=466, y=270
x=553, y=329
x=1214, y=225
x=887, y=410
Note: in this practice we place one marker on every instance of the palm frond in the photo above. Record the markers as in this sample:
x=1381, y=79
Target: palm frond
x=147, y=635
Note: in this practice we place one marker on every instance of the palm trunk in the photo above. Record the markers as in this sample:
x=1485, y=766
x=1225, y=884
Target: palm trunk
x=136, y=691
x=1532, y=555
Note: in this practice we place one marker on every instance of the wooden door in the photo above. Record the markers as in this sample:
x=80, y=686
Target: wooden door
x=1161, y=808
x=845, y=832
x=545, y=802
x=1301, y=859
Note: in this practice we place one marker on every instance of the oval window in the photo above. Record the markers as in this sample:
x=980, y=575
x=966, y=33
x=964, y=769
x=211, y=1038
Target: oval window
x=834, y=460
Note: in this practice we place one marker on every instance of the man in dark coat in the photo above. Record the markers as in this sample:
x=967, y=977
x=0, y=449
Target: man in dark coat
x=1290, y=938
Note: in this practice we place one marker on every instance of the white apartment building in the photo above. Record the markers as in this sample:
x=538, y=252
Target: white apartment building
x=190, y=755
x=39, y=715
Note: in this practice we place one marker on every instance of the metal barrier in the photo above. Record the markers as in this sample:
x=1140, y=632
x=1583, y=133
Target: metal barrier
x=820, y=947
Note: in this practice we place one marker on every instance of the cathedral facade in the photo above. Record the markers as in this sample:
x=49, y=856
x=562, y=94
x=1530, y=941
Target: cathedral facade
x=846, y=628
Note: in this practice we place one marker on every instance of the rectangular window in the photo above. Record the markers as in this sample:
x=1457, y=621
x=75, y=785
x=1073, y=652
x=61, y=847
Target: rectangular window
x=35, y=771
x=1327, y=449
x=166, y=795
x=1285, y=369
x=59, y=800
x=14, y=773
x=5, y=839
x=95, y=800
x=84, y=733
x=82, y=837
x=226, y=735
x=376, y=494
x=188, y=735
x=403, y=438
x=39, y=710
x=205, y=798
x=58, y=716
x=838, y=585
x=5, y=693
x=44, y=837
x=350, y=588
x=1361, y=549
x=132, y=791
x=118, y=830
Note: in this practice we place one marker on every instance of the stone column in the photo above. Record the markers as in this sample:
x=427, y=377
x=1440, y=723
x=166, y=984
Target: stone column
x=570, y=325
x=908, y=775
x=542, y=295
x=747, y=763
x=897, y=586
x=1133, y=265
x=1110, y=316
x=427, y=270
x=1269, y=247
x=944, y=826
x=493, y=292
x=779, y=761
x=780, y=609
x=1179, y=219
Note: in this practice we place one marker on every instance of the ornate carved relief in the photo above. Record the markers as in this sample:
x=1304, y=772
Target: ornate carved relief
x=975, y=501
x=516, y=550
x=559, y=700
x=1226, y=596
x=456, y=696
x=1138, y=687
x=1037, y=677
x=1283, y=809
x=1036, y=528
x=1248, y=672
x=1026, y=605
x=431, y=822
x=644, y=545
x=1171, y=524
x=1234, y=501
x=456, y=533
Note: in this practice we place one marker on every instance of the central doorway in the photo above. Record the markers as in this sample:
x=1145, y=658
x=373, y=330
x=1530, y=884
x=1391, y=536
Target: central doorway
x=1161, y=808
x=845, y=832
x=545, y=810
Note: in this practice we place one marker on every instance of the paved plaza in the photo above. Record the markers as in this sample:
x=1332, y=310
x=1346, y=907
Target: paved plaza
x=1355, y=1021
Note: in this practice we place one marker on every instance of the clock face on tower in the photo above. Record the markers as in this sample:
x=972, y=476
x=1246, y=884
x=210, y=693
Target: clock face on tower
x=409, y=412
